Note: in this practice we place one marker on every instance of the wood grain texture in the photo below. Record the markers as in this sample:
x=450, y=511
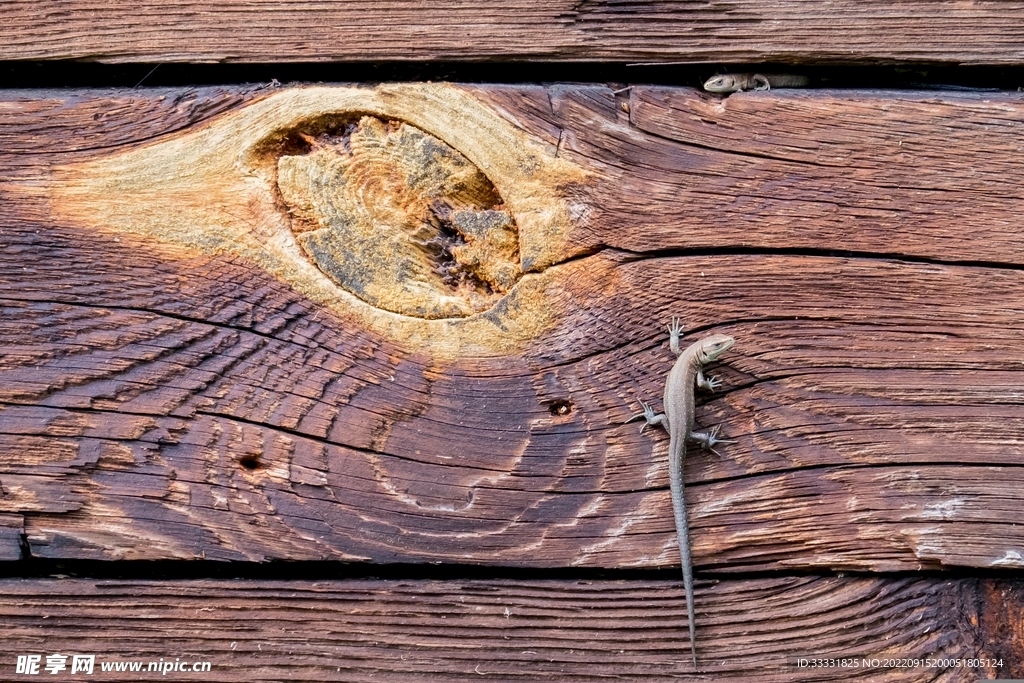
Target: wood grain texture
x=162, y=403
x=886, y=174
x=515, y=630
x=664, y=30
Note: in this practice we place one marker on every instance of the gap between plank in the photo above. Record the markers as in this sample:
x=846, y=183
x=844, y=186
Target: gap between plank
x=903, y=76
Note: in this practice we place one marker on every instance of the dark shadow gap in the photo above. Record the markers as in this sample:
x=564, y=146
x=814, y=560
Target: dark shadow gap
x=846, y=254
x=907, y=76
x=170, y=570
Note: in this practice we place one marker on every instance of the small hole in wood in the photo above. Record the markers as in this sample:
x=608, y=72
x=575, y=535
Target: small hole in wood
x=249, y=462
x=561, y=407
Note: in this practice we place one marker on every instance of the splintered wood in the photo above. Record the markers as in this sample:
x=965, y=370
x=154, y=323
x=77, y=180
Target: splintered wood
x=190, y=369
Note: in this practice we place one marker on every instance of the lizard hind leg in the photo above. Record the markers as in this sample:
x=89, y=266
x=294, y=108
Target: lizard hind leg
x=651, y=418
x=709, y=439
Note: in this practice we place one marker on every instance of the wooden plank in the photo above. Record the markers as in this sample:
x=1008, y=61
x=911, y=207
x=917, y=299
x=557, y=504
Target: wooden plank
x=885, y=174
x=165, y=399
x=519, y=630
x=664, y=30
x=11, y=527
x=827, y=170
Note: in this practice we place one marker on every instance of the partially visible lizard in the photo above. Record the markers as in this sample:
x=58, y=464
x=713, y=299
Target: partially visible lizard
x=677, y=420
x=740, y=82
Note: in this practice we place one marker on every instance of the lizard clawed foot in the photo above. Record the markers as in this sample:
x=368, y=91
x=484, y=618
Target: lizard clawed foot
x=708, y=382
x=713, y=436
x=648, y=415
x=675, y=331
x=709, y=439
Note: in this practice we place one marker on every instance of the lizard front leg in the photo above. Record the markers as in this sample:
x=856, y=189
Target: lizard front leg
x=675, y=331
x=707, y=382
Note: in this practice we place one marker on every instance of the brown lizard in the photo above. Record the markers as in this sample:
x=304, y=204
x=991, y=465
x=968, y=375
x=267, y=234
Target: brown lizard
x=677, y=420
x=739, y=82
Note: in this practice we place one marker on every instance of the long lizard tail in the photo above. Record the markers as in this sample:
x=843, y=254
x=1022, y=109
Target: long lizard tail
x=683, y=532
x=684, y=552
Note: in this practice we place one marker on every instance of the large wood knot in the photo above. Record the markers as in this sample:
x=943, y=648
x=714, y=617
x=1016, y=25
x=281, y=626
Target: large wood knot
x=415, y=211
x=400, y=219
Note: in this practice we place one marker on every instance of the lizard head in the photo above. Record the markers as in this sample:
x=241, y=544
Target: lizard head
x=725, y=83
x=714, y=346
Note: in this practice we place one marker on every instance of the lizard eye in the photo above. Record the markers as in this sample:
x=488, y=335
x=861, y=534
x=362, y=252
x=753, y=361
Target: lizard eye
x=717, y=348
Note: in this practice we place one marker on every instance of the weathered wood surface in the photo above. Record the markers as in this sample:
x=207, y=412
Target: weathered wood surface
x=567, y=30
x=518, y=630
x=159, y=401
